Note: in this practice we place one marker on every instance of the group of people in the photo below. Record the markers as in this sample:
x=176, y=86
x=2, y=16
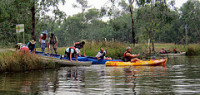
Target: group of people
x=163, y=51
x=70, y=52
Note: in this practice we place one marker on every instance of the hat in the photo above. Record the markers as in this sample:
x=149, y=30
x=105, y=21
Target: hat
x=128, y=48
x=44, y=32
x=33, y=42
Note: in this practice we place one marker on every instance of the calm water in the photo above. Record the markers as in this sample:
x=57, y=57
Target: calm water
x=180, y=76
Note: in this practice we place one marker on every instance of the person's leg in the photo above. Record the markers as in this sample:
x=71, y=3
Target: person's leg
x=107, y=58
x=43, y=47
x=135, y=59
x=51, y=48
x=55, y=50
x=33, y=51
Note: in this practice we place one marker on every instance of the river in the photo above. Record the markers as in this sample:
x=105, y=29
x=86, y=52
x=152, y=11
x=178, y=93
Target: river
x=181, y=75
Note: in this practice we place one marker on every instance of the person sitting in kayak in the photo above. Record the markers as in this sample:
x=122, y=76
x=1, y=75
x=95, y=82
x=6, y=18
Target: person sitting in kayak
x=175, y=51
x=78, y=46
x=128, y=57
x=102, y=55
x=31, y=46
x=163, y=51
x=70, y=52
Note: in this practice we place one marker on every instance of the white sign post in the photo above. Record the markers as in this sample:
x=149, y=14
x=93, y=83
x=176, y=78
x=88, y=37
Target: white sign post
x=19, y=29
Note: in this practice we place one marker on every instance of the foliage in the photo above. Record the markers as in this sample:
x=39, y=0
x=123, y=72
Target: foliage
x=157, y=20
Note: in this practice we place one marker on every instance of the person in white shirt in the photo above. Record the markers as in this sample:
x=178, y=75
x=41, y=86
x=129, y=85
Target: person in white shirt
x=102, y=55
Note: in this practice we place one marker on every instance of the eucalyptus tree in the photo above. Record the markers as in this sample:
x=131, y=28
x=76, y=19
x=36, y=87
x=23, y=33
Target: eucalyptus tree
x=154, y=18
x=190, y=17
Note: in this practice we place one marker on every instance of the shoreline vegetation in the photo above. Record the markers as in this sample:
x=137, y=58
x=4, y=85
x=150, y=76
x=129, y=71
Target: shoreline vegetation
x=117, y=49
x=12, y=61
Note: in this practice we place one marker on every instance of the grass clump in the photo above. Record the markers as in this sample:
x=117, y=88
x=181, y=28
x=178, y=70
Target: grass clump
x=193, y=49
x=18, y=61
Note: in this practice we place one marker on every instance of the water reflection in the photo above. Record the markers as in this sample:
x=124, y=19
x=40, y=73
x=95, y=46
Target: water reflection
x=181, y=76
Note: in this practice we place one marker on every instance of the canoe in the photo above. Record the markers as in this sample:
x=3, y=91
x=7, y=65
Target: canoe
x=157, y=62
x=94, y=60
x=174, y=54
x=62, y=62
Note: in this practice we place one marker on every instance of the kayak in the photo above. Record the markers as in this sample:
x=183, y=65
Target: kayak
x=94, y=60
x=174, y=54
x=157, y=62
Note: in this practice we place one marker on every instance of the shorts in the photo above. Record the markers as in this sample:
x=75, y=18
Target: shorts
x=78, y=51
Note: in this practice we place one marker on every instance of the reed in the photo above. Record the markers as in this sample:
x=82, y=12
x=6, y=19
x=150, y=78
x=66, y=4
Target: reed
x=18, y=61
x=193, y=49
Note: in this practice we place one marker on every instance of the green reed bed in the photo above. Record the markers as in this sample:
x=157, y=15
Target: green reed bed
x=17, y=61
x=115, y=49
x=193, y=49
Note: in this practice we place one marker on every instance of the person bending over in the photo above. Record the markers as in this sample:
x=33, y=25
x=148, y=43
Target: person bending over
x=71, y=52
x=78, y=46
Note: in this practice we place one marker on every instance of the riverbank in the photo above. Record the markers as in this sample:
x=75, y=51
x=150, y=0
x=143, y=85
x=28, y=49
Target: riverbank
x=116, y=49
x=18, y=62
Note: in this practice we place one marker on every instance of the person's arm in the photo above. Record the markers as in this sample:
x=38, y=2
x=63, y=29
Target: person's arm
x=128, y=54
x=48, y=44
x=98, y=56
x=76, y=57
x=41, y=39
x=84, y=50
x=76, y=43
x=106, y=50
x=70, y=56
x=56, y=43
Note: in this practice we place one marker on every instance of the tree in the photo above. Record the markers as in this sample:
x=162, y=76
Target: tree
x=190, y=12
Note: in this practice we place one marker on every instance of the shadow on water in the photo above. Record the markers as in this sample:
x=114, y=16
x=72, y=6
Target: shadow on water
x=180, y=76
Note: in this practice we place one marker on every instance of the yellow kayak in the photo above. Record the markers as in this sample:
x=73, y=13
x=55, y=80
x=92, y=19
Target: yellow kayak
x=157, y=62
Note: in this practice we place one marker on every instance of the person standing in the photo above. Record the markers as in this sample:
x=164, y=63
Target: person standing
x=43, y=37
x=53, y=43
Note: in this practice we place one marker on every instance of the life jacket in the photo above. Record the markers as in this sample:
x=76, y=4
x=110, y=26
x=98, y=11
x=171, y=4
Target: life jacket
x=44, y=36
x=72, y=48
x=30, y=46
x=102, y=55
x=53, y=40
x=126, y=58
x=79, y=46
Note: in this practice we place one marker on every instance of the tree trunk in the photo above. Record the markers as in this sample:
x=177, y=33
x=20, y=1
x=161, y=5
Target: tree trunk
x=33, y=22
x=153, y=50
x=132, y=21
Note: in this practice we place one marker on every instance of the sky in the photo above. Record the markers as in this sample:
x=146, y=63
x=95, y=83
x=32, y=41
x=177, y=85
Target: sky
x=70, y=10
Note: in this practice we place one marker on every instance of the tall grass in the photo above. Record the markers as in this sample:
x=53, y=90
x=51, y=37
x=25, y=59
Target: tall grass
x=17, y=61
x=115, y=49
x=193, y=49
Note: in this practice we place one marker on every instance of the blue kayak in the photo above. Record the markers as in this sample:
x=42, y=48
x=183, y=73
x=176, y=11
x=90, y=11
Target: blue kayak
x=82, y=58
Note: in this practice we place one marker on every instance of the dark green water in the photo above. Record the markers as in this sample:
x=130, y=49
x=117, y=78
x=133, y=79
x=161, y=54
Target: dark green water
x=180, y=76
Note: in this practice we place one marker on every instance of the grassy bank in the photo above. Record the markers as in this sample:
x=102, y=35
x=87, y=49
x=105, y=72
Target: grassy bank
x=193, y=49
x=16, y=62
x=116, y=49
